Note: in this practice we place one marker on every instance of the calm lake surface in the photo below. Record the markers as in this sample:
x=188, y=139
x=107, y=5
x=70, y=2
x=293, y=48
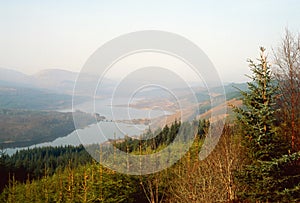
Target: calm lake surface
x=104, y=130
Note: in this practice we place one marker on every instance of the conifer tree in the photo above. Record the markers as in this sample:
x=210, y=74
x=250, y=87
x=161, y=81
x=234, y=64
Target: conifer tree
x=271, y=173
x=256, y=116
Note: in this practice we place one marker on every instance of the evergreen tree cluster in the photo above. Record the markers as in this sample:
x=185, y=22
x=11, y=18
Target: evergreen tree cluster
x=30, y=164
x=273, y=173
x=68, y=174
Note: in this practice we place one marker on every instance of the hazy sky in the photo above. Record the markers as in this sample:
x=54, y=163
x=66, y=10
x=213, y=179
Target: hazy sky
x=36, y=35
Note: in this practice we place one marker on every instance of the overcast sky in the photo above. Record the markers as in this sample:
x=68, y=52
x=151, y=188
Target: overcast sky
x=37, y=35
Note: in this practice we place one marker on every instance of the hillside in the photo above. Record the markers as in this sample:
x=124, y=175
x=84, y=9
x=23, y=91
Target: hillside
x=21, y=128
x=53, y=80
x=228, y=105
x=61, y=81
x=13, y=97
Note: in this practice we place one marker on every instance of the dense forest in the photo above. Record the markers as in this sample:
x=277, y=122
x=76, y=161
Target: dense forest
x=39, y=166
x=257, y=158
x=32, y=164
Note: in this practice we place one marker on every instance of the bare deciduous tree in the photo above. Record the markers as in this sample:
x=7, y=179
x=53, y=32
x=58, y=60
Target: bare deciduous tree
x=210, y=180
x=287, y=73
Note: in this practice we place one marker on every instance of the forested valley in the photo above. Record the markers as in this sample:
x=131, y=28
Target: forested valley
x=257, y=158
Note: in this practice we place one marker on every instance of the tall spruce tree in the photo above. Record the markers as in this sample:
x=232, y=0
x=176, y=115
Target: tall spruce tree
x=271, y=173
x=256, y=116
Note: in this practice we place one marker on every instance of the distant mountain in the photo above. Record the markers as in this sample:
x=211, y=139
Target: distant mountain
x=56, y=74
x=14, y=78
x=231, y=87
x=49, y=88
x=32, y=98
x=46, y=90
x=57, y=81
x=202, y=94
x=61, y=81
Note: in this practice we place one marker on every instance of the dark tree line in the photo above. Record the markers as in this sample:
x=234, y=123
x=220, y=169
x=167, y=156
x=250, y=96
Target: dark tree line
x=32, y=164
x=164, y=136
